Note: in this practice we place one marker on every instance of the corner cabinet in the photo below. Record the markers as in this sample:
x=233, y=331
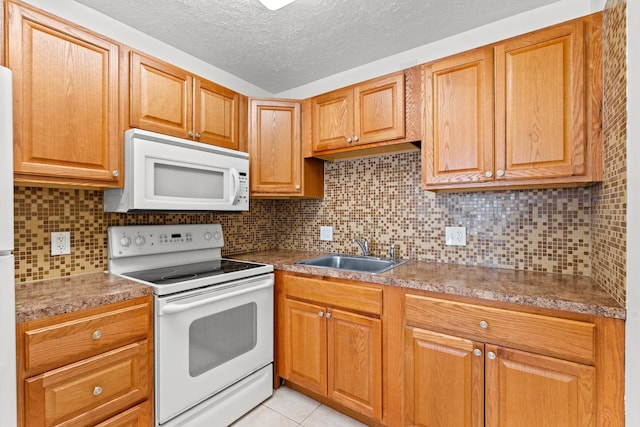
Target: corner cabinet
x=91, y=367
x=474, y=365
x=545, y=109
x=170, y=100
x=66, y=101
x=278, y=167
x=374, y=117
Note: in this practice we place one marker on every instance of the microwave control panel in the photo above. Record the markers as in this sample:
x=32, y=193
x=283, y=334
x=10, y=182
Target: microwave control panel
x=243, y=192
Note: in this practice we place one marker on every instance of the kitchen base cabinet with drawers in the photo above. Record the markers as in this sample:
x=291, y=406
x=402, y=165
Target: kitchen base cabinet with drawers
x=332, y=340
x=473, y=365
x=89, y=367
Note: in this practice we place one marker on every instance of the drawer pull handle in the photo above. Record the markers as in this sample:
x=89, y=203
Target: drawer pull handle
x=484, y=324
x=491, y=355
x=328, y=315
x=97, y=391
x=320, y=313
x=477, y=352
x=97, y=335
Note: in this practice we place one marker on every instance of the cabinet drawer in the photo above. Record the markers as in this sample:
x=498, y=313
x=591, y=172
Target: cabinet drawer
x=360, y=298
x=56, y=345
x=89, y=391
x=138, y=416
x=569, y=339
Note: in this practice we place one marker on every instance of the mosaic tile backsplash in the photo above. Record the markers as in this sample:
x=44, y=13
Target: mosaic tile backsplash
x=378, y=198
x=609, y=220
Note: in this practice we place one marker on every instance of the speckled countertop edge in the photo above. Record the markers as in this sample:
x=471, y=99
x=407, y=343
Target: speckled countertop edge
x=51, y=297
x=577, y=294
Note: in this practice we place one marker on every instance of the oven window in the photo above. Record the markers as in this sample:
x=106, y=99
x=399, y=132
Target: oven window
x=220, y=337
x=183, y=182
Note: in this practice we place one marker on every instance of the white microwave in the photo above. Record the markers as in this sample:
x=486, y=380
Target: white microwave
x=163, y=173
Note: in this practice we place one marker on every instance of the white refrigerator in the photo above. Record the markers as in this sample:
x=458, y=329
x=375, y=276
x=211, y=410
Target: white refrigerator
x=7, y=274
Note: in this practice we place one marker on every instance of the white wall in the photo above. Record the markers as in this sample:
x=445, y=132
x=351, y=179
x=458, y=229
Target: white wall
x=632, y=373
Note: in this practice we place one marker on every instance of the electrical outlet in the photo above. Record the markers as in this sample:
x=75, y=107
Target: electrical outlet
x=455, y=236
x=326, y=233
x=60, y=243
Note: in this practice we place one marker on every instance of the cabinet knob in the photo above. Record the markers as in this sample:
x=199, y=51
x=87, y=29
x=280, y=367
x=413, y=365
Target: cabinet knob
x=484, y=324
x=349, y=140
x=97, y=335
x=97, y=390
x=500, y=172
x=321, y=313
x=355, y=138
x=328, y=315
x=488, y=174
x=198, y=135
x=191, y=133
x=297, y=186
x=491, y=355
x=477, y=352
x=115, y=173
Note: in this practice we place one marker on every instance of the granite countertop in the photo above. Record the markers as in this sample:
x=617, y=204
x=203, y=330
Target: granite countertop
x=577, y=294
x=45, y=298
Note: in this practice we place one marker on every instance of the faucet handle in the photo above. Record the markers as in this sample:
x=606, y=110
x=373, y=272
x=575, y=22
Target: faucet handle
x=392, y=251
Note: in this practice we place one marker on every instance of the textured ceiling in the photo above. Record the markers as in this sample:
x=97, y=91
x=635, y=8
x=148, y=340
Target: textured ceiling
x=306, y=40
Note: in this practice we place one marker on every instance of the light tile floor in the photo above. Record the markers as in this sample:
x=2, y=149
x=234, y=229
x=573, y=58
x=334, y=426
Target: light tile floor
x=288, y=408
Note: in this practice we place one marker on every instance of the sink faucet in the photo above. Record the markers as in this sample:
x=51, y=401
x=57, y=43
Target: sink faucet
x=364, y=245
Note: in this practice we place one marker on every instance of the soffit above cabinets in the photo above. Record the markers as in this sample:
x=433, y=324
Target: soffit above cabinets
x=306, y=40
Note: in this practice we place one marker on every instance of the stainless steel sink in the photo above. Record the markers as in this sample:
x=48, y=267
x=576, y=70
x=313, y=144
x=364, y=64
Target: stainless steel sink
x=356, y=263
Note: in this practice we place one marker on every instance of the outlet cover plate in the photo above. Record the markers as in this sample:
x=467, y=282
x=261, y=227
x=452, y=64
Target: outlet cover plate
x=60, y=243
x=326, y=233
x=455, y=236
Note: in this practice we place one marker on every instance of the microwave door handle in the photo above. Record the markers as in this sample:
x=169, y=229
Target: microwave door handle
x=236, y=185
x=174, y=308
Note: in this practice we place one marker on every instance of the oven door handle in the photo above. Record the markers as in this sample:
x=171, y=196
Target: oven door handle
x=173, y=308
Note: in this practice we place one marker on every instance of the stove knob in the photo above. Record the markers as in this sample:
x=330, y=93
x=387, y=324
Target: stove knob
x=125, y=241
x=208, y=235
x=217, y=235
x=140, y=240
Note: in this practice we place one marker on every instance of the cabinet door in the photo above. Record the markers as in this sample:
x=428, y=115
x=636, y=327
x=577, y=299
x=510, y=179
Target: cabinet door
x=216, y=110
x=332, y=123
x=355, y=362
x=65, y=101
x=138, y=416
x=91, y=390
x=540, y=104
x=275, y=147
x=305, y=350
x=161, y=97
x=457, y=144
x=379, y=113
x=444, y=380
x=528, y=390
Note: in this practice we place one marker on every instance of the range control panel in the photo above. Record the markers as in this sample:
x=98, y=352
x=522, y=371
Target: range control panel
x=136, y=240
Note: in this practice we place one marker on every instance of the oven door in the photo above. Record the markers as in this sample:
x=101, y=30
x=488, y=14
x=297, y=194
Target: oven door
x=208, y=339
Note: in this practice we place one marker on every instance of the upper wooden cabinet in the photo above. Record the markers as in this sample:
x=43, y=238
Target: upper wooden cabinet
x=377, y=116
x=545, y=109
x=278, y=168
x=66, y=101
x=169, y=100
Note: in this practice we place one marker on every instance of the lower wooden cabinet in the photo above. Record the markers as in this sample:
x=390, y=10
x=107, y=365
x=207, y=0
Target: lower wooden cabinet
x=332, y=342
x=463, y=369
x=100, y=371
